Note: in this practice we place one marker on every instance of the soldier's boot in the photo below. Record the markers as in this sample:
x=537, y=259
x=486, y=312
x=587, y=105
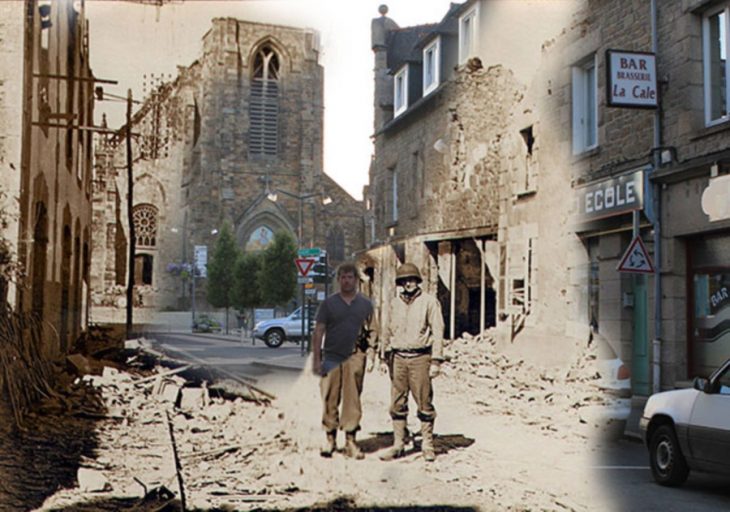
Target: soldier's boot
x=429, y=454
x=330, y=446
x=407, y=436
x=398, y=449
x=351, y=448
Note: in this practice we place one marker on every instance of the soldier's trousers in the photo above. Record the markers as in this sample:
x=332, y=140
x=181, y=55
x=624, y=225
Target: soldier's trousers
x=411, y=374
x=343, y=385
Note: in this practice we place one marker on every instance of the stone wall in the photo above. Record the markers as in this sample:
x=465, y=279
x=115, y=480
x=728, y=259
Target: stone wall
x=204, y=175
x=11, y=122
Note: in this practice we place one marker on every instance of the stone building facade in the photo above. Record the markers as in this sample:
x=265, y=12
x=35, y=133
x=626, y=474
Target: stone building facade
x=672, y=155
x=241, y=124
x=464, y=182
x=46, y=159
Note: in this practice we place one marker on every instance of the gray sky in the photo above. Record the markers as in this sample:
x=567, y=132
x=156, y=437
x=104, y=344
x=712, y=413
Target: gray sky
x=127, y=41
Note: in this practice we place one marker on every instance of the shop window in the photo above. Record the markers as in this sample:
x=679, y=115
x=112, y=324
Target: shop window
x=145, y=225
x=431, y=65
x=468, y=33
x=711, y=322
x=400, y=91
x=715, y=44
x=263, y=136
x=585, y=110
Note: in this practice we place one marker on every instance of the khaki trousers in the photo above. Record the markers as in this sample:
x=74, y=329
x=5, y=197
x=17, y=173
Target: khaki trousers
x=343, y=385
x=411, y=374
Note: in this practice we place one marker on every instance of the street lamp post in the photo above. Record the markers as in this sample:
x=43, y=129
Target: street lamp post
x=272, y=196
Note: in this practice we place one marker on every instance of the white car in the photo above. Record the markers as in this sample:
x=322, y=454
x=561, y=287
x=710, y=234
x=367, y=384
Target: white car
x=689, y=429
x=276, y=331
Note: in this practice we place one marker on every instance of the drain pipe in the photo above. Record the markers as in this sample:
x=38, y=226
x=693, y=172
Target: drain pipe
x=656, y=198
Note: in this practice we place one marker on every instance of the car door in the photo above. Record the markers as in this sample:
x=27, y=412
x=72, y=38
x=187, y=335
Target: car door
x=294, y=323
x=709, y=425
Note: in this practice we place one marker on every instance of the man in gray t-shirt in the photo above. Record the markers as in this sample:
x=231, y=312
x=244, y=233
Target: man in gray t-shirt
x=345, y=322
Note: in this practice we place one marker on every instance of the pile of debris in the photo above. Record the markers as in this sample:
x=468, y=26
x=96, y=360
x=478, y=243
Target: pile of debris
x=166, y=432
x=562, y=401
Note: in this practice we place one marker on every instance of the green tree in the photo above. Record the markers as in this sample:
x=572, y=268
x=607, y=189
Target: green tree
x=247, y=292
x=277, y=278
x=220, y=271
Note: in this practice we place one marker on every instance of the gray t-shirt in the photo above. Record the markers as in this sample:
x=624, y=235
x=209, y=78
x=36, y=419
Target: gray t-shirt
x=342, y=324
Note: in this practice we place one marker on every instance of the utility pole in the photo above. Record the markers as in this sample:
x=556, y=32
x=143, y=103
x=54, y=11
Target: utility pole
x=130, y=218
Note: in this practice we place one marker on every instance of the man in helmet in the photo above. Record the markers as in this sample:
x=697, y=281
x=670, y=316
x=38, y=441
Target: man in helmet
x=345, y=322
x=414, y=339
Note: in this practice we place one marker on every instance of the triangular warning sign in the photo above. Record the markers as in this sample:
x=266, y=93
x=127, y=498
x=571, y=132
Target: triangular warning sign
x=636, y=259
x=304, y=265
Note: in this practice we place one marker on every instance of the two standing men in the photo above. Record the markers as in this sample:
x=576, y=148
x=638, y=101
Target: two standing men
x=413, y=347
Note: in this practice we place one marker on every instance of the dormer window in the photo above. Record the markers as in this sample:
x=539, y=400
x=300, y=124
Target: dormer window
x=468, y=33
x=400, y=91
x=431, y=65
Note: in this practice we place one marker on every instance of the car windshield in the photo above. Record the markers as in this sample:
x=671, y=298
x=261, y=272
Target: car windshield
x=722, y=382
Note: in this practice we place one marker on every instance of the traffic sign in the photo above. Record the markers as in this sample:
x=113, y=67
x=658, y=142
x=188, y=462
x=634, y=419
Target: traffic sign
x=312, y=252
x=201, y=260
x=304, y=265
x=304, y=280
x=636, y=259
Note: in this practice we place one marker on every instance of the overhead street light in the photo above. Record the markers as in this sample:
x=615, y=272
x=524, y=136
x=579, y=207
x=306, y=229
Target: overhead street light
x=273, y=196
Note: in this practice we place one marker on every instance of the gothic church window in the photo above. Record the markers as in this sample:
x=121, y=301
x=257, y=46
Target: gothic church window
x=145, y=225
x=264, y=104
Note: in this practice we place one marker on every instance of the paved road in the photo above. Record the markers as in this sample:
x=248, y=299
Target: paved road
x=624, y=467
x=274, y=367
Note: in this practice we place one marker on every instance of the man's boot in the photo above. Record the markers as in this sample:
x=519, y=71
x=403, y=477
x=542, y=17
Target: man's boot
x=429, y=454
x=398, y=448
x=351, y=448
x=329, y=448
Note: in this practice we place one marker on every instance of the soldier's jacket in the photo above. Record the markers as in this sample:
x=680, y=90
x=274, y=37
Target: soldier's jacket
x=416, y=324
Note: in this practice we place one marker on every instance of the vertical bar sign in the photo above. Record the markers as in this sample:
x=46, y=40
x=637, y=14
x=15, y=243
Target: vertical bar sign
x=201, y=261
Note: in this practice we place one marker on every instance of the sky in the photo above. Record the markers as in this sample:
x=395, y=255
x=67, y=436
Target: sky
x=129, y=41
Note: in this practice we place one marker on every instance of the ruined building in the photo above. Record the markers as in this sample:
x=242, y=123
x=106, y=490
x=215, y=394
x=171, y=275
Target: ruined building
x=463, y=182
x=518, y=185
x=236, y=137
x=46, y=160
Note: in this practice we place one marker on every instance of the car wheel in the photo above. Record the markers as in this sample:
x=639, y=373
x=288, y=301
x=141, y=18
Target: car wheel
x=667, y=462
x=274, y=338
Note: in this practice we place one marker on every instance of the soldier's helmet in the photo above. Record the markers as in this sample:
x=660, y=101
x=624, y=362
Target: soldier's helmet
x=405, y=271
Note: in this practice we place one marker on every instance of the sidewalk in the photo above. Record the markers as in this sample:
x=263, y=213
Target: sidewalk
x=632, y=422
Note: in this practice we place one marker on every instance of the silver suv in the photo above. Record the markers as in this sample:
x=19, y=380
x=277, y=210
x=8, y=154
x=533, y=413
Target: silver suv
x=276, y=331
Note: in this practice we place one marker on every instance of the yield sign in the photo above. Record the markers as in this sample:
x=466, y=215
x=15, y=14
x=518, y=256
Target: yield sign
x=304, y=265
x=636, y=259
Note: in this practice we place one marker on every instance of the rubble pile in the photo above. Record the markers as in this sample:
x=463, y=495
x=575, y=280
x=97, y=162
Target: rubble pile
x=571, y=395
x=163, y=432
x=179, y=441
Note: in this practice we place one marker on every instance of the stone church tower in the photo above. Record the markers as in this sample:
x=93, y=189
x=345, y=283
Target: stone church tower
x=241, y=123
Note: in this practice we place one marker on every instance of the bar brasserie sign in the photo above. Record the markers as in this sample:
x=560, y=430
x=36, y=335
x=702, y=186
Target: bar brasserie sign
x=632, y=80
